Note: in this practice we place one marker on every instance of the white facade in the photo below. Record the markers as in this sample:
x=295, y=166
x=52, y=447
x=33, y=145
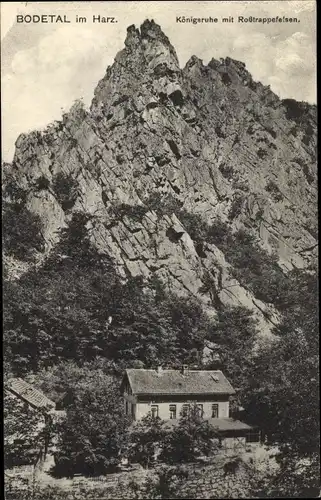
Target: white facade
x=167, y=410
x=168, y=393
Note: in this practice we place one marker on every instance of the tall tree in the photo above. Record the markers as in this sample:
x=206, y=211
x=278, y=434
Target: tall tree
x=93, y=437
x=234, y=334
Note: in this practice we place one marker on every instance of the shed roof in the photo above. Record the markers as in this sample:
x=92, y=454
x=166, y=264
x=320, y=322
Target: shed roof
x=222, y=424
x=29, y=393
x=192, y=382
x=229, y=424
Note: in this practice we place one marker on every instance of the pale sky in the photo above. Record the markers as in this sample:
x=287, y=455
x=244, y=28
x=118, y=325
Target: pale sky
x=45, y=67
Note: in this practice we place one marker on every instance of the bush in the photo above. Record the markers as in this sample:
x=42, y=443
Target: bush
x=146, y=438
x=22, y=231
x=42, y=183
x=135, y=212
x=242, y=185
x=226, y=170
x=164, y=205
x=236, y=207
x=14, y=192
x=65, y=188
x=190, y=439
x=272, y=188
x=217, y=233
x=167, y=483
x=262, y=153
x=21, y=443
x=256, y=269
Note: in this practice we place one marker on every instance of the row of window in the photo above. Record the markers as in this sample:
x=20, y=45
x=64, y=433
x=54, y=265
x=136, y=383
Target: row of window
x=185, y=409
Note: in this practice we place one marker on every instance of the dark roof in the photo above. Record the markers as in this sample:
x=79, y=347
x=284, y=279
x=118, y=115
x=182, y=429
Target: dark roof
x=28, y=393
x=229, y=424
x=222, y=424
x=144, y=381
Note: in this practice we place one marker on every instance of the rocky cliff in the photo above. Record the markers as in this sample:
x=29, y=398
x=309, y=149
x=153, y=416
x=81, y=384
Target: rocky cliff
x=160, y=143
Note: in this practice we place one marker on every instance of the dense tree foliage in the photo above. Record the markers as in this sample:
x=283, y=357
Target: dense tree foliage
x=233, y=335
x=65, y=315
x=75, y=307
x=185, y=440
x=147, y=438
x=22, y=444
x=65, y=188
x=67, y=376
x=293, y=480
x=253, y=267
x=190, y=439
x=282, y=393
x=22, y=231
x=94, y=435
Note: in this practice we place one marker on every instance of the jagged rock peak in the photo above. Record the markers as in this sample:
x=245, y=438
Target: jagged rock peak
x=148, y=55
x=193, y=61
x=149, y=33
x=133, y=36
x=227, y=64
x=149, y=30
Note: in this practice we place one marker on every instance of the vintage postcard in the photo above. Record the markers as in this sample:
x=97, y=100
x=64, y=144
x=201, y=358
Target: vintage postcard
x=160, y=250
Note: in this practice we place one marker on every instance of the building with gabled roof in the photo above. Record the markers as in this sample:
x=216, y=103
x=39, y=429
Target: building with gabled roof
x=32, y=406
x=180, y=382
x=29, y=394
x=169, y=393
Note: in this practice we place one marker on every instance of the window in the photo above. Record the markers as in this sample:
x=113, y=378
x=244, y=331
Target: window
x=185, y=409
x=200, y=409
x=154, y=411
x=172, y=412
x=215, y=410
x=253, y=437
x=19, y=441
x=126, y=407
x=133, y=411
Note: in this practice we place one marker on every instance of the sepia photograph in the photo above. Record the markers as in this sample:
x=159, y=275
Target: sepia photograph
x=160, y=250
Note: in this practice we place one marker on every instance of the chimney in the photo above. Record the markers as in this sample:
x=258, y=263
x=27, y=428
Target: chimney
x=184, y=369
x=159, y=370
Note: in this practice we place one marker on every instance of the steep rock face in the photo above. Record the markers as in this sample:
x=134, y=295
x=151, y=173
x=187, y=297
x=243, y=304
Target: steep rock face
x=208, y=138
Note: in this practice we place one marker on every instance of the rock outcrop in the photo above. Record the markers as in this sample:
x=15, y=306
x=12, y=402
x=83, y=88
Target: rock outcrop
x=208, y=138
